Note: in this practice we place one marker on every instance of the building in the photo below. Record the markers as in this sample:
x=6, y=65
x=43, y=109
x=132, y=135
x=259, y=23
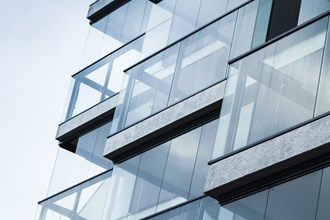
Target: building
x=198, y=109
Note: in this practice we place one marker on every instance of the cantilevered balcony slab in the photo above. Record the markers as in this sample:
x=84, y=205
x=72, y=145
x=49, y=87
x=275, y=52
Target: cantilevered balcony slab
x=269, y=162
x=100, y=112
x=135, y=138
x=101, y=8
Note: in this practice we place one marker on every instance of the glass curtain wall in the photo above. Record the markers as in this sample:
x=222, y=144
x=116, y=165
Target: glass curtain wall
x=176, y=73
x=169, y=174
x=116, y=29
x=102, y=79
x=273, y=89
x=87, y=161
x=191, y=65
x=81, y=202
x=162, y=24
x=164, y=176
x=312, y=8
x=304, y=198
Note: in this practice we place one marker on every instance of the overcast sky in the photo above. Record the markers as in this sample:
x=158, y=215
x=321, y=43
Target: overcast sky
x=41, y=43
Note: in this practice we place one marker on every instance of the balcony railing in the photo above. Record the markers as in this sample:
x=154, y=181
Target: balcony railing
x=279, y=86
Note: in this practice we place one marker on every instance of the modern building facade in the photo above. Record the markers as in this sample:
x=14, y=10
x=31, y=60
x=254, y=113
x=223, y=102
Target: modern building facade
x=198, y=109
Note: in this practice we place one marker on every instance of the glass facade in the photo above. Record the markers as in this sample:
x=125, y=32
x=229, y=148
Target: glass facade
x=179, y=71
x=155, y=55
x=141, y=28
x=273, y=89
x=167, y=175
x=160, y=25
x=306, y=197
x=312, y=8
x=303, y=198
x=85, y=162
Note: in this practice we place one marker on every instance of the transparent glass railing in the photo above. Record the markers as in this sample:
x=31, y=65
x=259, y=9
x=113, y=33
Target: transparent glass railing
x=84, y=201
x=196, y=62
x=142, y=185
x=102, y=79
x=209, y=48
x=275, y=88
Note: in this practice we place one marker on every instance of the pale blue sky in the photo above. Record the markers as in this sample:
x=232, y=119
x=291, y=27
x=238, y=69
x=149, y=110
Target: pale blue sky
x=41, y=43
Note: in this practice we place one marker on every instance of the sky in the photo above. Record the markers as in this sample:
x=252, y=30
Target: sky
x=41, y=45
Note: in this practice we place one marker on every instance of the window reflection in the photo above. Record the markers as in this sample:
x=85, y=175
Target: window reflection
x=85, y=161
x=166, y=175
x=176, y=73
x=272, y=89
x=306, y=197
x=312, y=8
x=249, y=208
x=296, y=199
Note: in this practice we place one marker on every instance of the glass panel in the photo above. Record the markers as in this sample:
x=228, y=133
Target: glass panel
x=85, y=201
x=148, y=182
x=296, y=199
x=133, y=20
x=244, y=29
x=249, y=208
x=225, y=115
x=94, y=42
x=211, y=9
x=121, y=189
x=179, y=169
x=157, y=38
x=186, y=212
x=323, y=97
x=275, y=89
x=207, y=48
x=323, y=211
x=87, y=97
x=69, y=169
x=312, y=8
x=98, y=152
x=115, y=24
x=158, y=15
x=185, y=18
x=122, y=59
x=232, y=4
x=204, y=155
x=91, y=147
x=86, y=145
x=209, y=209
x=89, y=87
x=203, y=209
x=262, y=20
x=150, y=85
x=92, y=197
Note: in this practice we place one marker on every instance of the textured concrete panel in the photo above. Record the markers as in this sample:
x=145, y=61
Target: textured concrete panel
x=279, y=153
x=140, y=133
x=85, y=117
